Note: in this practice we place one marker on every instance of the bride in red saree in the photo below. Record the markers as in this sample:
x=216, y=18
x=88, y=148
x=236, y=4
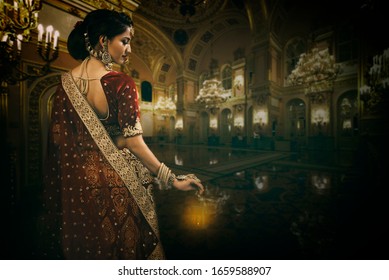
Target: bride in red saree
x=99, y=172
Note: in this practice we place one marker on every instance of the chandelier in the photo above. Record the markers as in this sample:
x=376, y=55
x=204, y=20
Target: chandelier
x=16, y=22
x=19, y=17
x=377, y=84
x=316, y=70
x=165, y=106
x=212, y=94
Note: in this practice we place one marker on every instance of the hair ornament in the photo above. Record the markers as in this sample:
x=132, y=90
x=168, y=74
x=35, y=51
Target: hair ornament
x=102, y=55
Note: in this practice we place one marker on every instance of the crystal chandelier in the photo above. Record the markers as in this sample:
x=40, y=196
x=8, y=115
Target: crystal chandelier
x=16, y=22
x=316, y=70
x=165, y=106
x=377, y=84
x=212, y=94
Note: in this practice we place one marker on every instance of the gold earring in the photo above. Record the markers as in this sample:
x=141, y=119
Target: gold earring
x=106, y=58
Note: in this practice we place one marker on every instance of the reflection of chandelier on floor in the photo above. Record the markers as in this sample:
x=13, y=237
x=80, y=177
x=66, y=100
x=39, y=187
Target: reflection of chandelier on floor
x=316, y=70
x=165, y=106
x=377, y=80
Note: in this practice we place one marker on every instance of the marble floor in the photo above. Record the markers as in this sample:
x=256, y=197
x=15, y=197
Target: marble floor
x=266, y=205
x=271, y=205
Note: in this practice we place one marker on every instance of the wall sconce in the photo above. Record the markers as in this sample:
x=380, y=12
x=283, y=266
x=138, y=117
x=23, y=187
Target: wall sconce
x=11, y=49
x=213, y=123
x=260, y=118
x=239, y=122
x=16, y=22
x=179, y=126
x=238, y=82
x=320, y=116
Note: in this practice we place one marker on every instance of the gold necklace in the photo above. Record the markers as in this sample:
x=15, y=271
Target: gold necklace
x=83, y=83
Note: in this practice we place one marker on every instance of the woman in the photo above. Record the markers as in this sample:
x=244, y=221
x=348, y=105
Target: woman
x=100, y=171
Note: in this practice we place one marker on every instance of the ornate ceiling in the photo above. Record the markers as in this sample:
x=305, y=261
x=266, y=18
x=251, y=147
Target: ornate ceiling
x=168, y=33
x=173, y=36
x=173, y=13
x=184, y=32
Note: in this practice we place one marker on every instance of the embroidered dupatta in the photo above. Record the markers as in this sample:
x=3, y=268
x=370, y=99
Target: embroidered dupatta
x=115, y=157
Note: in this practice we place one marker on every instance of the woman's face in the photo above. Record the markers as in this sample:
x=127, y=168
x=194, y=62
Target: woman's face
x=119, y=47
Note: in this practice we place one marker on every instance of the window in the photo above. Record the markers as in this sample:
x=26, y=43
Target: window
x=202, y=78
x=346, y=44
x=292, y=53
x=226, y=77
x=146, y=92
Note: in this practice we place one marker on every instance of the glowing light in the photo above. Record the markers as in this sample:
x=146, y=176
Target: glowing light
x=316, y=70
x=260, y=117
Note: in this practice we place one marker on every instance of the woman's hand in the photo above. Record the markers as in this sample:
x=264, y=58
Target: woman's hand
x=188, y=183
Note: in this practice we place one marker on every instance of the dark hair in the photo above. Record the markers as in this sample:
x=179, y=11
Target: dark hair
x=97, y=23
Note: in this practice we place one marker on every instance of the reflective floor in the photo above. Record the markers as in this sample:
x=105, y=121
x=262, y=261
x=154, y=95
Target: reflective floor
x=262, y=205
x=270, y=205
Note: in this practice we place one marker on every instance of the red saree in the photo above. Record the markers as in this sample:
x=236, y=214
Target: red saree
x=98, y=197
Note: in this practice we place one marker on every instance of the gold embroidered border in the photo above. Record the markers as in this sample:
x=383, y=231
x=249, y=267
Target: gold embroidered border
x=131, y=131
x=114, y=157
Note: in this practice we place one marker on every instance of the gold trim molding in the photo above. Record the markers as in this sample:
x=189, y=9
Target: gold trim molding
x=80, y=8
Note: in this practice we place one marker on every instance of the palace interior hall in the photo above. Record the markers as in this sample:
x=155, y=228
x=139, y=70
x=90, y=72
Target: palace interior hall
x=278, y=106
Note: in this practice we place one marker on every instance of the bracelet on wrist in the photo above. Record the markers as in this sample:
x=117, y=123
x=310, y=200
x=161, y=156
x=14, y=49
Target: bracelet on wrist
x=165, y=176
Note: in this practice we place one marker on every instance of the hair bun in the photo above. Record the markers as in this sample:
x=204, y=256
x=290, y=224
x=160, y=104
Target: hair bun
x=78, y=23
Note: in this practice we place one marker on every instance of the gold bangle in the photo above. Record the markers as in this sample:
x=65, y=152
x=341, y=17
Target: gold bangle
x=165, y=176
x=171, y=179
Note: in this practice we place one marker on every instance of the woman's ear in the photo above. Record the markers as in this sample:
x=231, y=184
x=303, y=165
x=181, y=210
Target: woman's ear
x=102, y=39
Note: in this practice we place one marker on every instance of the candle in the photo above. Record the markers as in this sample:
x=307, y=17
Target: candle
x=56, y=35
x=49, y=33
x=40, y=32
x=19, y=42
x=16, y=11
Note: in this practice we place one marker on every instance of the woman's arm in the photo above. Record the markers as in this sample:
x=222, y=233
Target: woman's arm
x=139, y=148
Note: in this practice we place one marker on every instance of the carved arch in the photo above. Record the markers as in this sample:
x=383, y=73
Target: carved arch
x=38, y=108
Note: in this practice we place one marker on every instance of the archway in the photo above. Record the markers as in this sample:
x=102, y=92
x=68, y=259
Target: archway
x=38, y=110
x=295, y=118
x=347, y=120
x=295, y=122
